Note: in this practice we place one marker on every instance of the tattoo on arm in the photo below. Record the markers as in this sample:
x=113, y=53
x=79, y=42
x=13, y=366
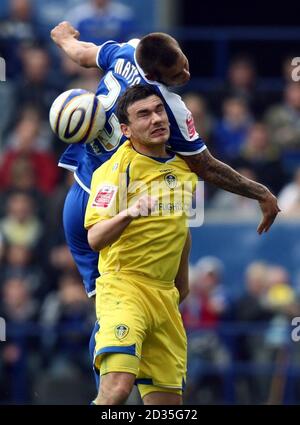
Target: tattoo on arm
x=223, y=176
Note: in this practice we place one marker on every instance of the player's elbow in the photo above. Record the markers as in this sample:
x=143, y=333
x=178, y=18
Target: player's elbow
x=94, y=240
x=183, y=294
x=82, y=59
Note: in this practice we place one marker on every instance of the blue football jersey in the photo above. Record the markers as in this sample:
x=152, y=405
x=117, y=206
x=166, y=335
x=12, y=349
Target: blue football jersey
x=121, y=70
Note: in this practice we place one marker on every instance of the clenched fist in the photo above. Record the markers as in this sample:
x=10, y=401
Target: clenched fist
x=64, y=31
x=142, y=207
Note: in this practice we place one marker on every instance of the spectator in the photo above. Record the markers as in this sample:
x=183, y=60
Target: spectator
x=60, y=260
x=242, y=83
x=68, y=314
x=289, y=198
x=280, y=297
x=7, y=107
x=38, y=86
x=102, y=20
x=251, y=307
x=252, y=311
x=232, y=130
x=202, y=311
x=203, y=120
x=88, y=79
x=21, y=262
x=24, y=179
x=17, y=30
x=207, y=301
x=21, y=226
x=55, y=205
x=19, y=362
x=73, y=74
x=283, y=120
x=261, y=156
x=226, y=205
x=17, y=303
x=24, y=145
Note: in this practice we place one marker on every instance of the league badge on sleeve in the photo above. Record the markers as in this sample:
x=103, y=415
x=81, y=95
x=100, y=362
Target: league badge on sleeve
x=105, y=196
x=190, y=125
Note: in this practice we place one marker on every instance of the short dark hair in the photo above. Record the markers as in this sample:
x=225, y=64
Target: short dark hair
x=130, y=96
x=156, y=50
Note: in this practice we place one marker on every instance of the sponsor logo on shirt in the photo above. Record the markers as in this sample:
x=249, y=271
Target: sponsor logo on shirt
x=166, y=170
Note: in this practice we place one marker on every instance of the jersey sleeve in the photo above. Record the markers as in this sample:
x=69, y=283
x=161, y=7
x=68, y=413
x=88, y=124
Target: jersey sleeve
x=109, y=183
x=105, y=54
x=184, y=138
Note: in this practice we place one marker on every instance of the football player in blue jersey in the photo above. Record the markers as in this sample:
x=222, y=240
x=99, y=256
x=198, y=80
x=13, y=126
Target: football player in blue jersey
x=156, y=59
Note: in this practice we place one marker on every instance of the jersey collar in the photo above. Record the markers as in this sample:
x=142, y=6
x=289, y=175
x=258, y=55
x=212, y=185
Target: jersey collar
x=155, y=158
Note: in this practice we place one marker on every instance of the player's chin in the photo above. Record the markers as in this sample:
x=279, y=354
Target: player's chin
x=182, y=82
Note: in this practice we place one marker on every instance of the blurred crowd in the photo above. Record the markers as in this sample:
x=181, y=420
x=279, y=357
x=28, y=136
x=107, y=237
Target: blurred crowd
x=42, y=299
x=256, y=132
x=239, y=346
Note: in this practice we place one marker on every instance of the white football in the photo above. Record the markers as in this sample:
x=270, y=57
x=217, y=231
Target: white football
x=77, y=116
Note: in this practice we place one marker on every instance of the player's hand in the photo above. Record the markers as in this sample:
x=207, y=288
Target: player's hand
x=64, y=31
x=270, y=209
x=142, y=207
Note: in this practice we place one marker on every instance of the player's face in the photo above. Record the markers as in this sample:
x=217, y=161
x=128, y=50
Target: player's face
x=148, y=122
x=178, y=74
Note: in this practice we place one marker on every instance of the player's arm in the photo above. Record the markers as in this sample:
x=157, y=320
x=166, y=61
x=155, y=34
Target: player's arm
x=201, y=162
x=81, y=52
x=182, y=277
x=223, y=176
x=108, y=231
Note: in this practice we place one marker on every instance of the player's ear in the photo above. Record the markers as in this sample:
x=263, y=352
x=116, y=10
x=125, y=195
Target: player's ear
x=156, y=74
x=152, y=76
x=125, y=130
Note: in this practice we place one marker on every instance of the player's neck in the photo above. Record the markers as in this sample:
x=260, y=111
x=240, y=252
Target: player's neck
x=158, y=151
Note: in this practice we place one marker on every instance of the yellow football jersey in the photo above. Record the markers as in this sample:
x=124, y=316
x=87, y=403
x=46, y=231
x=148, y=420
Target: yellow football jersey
x=150, y=246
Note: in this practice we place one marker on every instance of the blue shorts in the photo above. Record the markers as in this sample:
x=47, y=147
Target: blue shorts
x=76, y=236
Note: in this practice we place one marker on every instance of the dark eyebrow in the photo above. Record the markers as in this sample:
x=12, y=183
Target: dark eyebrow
x=145, y=110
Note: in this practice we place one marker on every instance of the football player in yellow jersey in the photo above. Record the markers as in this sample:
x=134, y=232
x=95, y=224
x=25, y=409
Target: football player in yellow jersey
x=142, y=240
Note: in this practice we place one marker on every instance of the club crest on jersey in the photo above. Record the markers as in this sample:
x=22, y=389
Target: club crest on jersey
x=121, y=331
x=105, y=196
x=171, y=181
x=190, y=125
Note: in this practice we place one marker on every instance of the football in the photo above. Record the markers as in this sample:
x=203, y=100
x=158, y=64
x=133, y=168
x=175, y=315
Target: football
x=77, y=116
